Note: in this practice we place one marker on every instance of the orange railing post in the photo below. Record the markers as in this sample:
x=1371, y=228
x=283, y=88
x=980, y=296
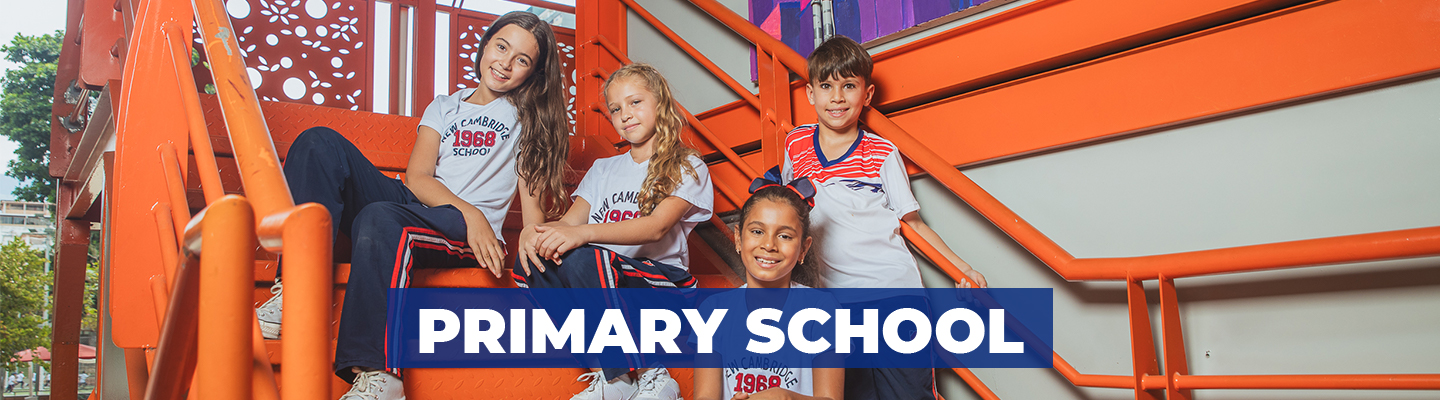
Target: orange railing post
x=308, y=280
x=227, y=266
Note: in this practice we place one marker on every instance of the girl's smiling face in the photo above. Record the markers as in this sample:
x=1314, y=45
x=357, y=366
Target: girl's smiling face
x=508, y=59
x=771, y=242
x=632, y=108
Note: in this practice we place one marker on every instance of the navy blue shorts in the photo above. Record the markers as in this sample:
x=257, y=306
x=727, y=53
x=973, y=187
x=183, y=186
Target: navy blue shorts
x=891, y=383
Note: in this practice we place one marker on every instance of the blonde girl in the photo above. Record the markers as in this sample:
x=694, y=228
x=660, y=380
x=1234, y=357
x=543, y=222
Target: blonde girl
x=630, y=216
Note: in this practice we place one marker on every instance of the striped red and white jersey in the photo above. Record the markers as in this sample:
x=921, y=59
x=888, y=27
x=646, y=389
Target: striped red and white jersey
x=859, y=200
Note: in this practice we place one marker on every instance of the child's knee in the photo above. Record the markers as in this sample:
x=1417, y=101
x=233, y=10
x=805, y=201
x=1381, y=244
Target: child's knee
x=316, y=136
x=376, y=223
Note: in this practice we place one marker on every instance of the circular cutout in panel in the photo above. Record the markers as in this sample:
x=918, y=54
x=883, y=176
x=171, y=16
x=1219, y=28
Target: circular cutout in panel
x=294, y=88
x=316, y=9
x=238, y=9
x=255, y=77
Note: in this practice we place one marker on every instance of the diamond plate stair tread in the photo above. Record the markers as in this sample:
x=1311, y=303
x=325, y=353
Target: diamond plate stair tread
x=509, y=383
x=385, y=139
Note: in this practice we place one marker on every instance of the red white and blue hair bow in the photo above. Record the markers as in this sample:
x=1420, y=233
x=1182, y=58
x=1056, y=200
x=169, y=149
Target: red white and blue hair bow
x=801, y=186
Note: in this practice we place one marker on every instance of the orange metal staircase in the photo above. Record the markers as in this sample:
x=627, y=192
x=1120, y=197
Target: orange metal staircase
x=183, y=310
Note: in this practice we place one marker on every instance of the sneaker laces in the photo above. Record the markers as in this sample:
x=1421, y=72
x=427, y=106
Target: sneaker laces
x=596, y=381
x=273, y=305
x=364, y=383
x=650, y=382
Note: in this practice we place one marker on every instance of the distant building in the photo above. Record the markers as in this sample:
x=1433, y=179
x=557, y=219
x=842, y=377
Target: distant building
x=30, y=221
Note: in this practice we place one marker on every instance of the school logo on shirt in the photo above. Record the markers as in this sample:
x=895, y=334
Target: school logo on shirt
x=755, y=374
x=475, y=136
x=858, y=185
x=609, y=212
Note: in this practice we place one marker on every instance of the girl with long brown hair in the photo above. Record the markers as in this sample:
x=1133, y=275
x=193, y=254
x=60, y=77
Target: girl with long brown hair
x=473, y=151
x=630, y=216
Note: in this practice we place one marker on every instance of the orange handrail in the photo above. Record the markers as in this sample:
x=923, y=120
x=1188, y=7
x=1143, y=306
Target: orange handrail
x=249, y=136
x=704, y=61
x=1342, y=249
x=690, y=118
x=1351, y=248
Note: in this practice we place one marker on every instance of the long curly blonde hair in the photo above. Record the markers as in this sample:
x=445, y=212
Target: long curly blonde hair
x=671, y=157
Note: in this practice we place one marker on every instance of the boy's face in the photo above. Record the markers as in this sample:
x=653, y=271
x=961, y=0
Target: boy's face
x=838, y=101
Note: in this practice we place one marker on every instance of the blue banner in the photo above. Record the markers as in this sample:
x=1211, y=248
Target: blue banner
x=715, y=328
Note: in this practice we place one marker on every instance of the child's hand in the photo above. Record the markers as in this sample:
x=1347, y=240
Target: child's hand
x=974, y=276
x=555, y=241
x=488, y=250
x=527, y=249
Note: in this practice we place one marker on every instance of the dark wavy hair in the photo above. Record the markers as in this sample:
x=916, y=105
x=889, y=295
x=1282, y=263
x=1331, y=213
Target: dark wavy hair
x=545, y=128
x=804, y=272
x=671, y=157
x=839, y=57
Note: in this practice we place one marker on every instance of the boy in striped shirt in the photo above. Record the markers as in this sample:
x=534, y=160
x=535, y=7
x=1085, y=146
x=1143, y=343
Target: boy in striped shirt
x=862, y=195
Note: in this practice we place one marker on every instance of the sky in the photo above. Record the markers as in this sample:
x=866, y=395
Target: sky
x=30, y=17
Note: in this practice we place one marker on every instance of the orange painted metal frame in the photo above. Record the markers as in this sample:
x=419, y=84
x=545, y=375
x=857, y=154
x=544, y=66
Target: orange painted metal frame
x=304, y=230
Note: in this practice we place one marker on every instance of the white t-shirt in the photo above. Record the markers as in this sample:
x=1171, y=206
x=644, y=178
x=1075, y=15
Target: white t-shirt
x=612, y=187
x=755, y=373
x=859, y=200
x=478, y=145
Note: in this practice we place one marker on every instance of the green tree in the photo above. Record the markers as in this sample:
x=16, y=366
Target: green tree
x=25, y=112
x=23, y=285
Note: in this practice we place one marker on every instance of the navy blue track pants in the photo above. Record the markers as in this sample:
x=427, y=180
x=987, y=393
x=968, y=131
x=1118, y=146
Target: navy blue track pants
x=390, y=230
x=592, y=266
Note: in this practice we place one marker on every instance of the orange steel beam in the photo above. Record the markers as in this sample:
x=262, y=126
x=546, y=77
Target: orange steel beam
x=695, y=124
x=729, y=81
x=227, y=263
x=1142, y=345
x=146, y=105
x=68, y=304
x=1172, y=339
x=169, y=243
x=1317, y=49
x=174, y=366
x=249, y=136
x=175, y=187
x=1374, y=382
x=1021, y=42
x=199, y=134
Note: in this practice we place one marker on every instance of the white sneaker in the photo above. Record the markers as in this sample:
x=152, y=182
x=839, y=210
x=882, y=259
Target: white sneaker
x=269, y=313
x=622, y=389
x=656, y=384
x=375, y=385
